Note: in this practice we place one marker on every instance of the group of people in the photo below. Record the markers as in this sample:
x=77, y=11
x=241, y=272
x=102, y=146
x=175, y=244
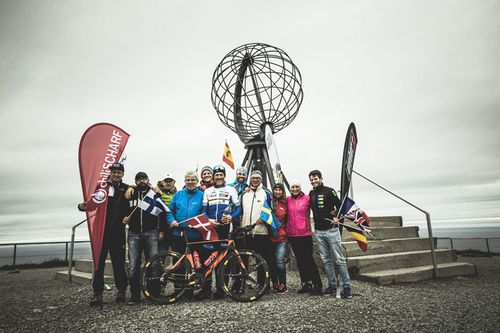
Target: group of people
x=227, y=206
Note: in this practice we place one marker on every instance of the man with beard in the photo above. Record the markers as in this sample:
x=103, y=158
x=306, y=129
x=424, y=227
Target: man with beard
x=142, y=235
x=240, y=183
x=114, y=237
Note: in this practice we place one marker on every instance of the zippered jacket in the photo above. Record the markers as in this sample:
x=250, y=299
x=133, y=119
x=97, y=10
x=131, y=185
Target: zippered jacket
x=324, y=200
x=217, y=200
x=185, y=204
x=140, y=220
x=251, y=207
x=280, y=210
x=299, y=222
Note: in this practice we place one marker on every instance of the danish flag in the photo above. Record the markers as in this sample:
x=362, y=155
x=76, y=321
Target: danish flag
x=200, y=223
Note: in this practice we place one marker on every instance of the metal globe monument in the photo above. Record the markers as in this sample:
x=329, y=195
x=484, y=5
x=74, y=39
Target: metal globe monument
x=256, y=88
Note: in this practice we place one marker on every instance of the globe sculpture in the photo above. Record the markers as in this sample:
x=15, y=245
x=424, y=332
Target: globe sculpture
x=256, y=86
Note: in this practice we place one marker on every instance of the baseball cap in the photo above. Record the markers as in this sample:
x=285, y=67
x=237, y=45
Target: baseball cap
x=116, y=166
x=219, y=168
x=169, y=176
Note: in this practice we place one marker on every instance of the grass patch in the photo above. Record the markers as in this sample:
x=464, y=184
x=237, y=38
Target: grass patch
x=46, y=264
x=475, y=253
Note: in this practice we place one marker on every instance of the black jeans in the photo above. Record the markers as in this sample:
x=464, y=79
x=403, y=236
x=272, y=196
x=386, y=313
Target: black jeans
x=303, y=249
x=114, y=243
x=263, y=246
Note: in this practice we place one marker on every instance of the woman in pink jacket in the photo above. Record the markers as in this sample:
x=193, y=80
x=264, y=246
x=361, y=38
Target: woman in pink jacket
x=298, y=230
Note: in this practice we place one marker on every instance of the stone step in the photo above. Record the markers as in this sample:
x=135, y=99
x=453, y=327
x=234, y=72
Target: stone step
x=378, y=262
x=86, y=265
x=387, y=246
x=81, y=277
x=386, y=221
x=419, y=273
x=386, y=233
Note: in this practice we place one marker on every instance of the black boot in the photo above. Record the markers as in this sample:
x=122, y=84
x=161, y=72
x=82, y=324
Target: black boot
x=120, y=296
x=96, y=299
x=306, y=288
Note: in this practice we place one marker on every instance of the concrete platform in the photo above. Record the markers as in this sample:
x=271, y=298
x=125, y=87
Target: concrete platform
x=387, y=261
x=420, y=273
x=82, y=277
x=387, y=221
x=387, y=246
x=380, y=233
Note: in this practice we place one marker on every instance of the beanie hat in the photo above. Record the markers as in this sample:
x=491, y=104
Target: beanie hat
x=242, y=170
x=295, y=183
x=206, y=168
x=256, y=173
x=279, y=185
x=141, y=175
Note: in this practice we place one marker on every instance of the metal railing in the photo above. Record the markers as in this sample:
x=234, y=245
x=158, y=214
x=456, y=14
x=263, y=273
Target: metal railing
x=70, y=262
x=427, y=216
x=16, y=245
x=469, y=247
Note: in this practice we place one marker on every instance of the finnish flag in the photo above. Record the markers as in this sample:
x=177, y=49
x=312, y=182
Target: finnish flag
x=153, y=204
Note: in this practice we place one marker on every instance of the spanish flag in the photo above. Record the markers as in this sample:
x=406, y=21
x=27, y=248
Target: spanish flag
x=358, y=236
x=228, y=156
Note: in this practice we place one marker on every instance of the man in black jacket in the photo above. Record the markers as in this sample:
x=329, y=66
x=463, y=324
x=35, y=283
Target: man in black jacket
x=325, y=205
x=114, y=236
x=142, y=235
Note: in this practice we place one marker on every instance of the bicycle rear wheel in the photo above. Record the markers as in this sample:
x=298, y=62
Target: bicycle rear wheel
x=244, y=276
x=161, y=283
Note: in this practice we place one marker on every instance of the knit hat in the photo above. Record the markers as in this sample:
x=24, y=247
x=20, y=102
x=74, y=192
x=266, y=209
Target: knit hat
x=256, y=173
x=206, y=168
x=295, y=183
x=219, y=168
x=279, y=185
x=141, y=175
x=242, y=170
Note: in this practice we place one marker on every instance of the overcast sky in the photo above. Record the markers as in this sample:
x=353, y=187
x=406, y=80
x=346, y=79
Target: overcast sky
x=420, y=79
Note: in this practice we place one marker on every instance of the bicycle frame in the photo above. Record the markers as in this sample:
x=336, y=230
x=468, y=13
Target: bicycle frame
x=207, y=271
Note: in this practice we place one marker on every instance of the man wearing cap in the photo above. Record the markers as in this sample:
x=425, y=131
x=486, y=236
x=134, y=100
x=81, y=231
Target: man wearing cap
x=222, y=206
x=142, y=234
x=251, y=207
x=325, y=205
x=166, y=189
x=114, y=236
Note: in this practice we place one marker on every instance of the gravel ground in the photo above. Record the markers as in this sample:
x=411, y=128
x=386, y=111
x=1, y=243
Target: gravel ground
x=34, y=301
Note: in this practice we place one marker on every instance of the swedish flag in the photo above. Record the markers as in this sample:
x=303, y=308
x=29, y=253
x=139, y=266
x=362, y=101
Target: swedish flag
x=266, y=214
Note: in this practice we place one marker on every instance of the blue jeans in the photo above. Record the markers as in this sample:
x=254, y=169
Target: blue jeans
x=278, y=273
x=137, y=243
x=329, y=245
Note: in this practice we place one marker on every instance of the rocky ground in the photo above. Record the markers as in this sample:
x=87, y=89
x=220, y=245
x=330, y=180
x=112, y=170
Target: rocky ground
x=33, y=300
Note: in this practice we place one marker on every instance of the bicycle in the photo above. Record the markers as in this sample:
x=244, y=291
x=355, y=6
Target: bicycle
x=243, y=274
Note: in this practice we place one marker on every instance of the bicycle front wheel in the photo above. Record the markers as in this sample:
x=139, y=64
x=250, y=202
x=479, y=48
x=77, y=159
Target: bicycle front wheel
x=163, y=278
x=244, y=276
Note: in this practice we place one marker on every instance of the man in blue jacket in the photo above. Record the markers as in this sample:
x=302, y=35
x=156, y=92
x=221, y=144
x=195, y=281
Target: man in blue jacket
x=185, y=204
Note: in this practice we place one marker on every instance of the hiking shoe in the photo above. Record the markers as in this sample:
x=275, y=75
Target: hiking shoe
x=316, y=291
x=134, y=300
x=120, y=296
x=96, y=300
x=330, y=291
x=306, y=288
x=219, y=294
x=282, y=289
x=346, y=293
